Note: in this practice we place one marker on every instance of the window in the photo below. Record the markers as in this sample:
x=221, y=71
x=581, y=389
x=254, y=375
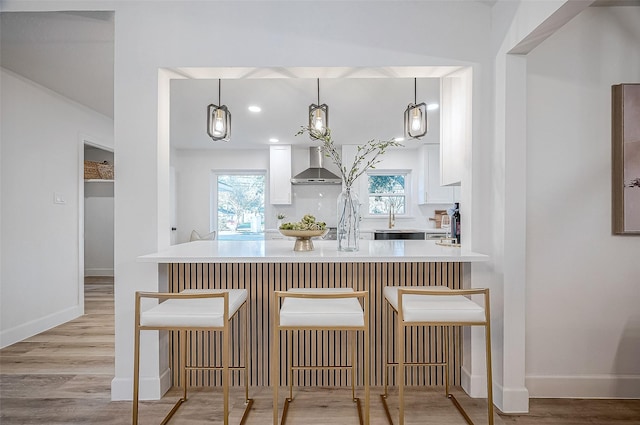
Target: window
x=387, y=190
x=239, y=206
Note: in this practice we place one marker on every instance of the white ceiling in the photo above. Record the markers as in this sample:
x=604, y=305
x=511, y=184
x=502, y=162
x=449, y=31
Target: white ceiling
x=70, y=53
x=359, y=109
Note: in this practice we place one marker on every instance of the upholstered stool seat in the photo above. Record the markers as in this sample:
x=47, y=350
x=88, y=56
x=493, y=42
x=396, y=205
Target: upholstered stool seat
x=435, y=306
x=324, y=312
x=193, y=310
x=339, y=309
x=432, y=308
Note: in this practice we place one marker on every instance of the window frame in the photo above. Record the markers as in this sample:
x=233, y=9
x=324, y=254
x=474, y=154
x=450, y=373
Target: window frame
x=364, y=189
x=213, y=190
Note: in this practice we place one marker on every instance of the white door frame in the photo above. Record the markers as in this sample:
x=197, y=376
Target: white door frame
x=84, y=140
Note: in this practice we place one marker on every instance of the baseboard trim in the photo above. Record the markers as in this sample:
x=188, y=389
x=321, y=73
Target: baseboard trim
x=36, y=326
x=509, y=400
x=584, y=386
x=150, y=388
x=99, y=272
x=474, y=385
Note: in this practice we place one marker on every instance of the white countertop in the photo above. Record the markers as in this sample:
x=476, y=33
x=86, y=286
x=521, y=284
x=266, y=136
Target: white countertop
x=281, y=251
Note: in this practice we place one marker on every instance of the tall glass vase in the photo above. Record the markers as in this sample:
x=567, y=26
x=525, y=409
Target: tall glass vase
x=348, y=232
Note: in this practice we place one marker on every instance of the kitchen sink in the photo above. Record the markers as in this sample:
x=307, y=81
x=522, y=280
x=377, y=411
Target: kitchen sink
x=393, y=234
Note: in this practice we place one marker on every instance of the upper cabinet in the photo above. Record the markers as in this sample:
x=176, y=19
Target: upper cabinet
x=280, y=174
x=429, y=189
x=455, y=124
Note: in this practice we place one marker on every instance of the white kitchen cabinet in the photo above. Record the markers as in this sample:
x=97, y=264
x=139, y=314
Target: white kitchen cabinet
x=455, y=124
x=280, y=175
x=429, y=189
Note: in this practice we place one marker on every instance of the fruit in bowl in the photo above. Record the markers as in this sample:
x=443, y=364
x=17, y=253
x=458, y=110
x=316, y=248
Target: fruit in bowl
x=308, y=222
x=303, y=231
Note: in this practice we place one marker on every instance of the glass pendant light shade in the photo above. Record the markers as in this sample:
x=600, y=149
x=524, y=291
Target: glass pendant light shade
x=415, y=121
x=415, y=116
x=318, y=118
x=219, y=120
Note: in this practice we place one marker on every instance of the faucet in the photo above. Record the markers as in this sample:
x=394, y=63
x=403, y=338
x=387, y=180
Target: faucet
x=392, y=216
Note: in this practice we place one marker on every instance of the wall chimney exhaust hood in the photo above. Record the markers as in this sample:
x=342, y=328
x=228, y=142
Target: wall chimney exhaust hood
x=316, y=174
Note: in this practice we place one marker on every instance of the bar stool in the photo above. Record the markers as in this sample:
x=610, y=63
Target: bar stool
x=193, y=310
x=337, y=309
x=435, y=306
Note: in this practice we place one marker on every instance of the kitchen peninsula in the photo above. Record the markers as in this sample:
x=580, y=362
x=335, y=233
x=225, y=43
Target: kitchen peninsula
x=264, y=266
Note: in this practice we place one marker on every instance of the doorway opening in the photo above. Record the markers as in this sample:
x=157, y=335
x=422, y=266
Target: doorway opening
x=96, y=244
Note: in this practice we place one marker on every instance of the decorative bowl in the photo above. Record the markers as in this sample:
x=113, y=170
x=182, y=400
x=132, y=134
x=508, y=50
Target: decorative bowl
x=303, y=238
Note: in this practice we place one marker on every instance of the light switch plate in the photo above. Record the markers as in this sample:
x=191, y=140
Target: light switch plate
x=58, y=198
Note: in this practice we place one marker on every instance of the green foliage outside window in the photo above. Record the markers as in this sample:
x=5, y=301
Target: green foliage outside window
x=240, y=202
x=385, y=192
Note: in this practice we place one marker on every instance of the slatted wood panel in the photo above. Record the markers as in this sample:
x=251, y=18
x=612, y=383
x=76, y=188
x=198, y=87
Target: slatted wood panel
x=314, y=347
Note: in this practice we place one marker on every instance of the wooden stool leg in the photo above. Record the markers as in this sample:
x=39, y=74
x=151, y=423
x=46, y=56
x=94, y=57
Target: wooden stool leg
x=136, y=370
x=400, y=377
x=387, y=316
x=183, y=361
x=385, y=312
x=367, y=366
x=446, y=330
x=290, y=362
x=350, y=336
x=245, y=340
x=275, y=359
x=487, y=333
x=225, y=371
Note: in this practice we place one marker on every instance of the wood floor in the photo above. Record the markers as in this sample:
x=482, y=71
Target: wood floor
x=63, y=376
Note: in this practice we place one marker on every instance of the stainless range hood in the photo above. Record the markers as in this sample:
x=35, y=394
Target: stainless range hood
x=316, y=174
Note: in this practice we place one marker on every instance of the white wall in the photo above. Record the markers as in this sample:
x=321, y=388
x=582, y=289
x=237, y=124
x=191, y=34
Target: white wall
x=583, y=283
x=193, y=182
x=41, y=142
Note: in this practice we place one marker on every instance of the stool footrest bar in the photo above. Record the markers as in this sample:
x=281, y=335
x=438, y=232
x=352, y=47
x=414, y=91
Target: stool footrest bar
x=247, y=408
x=460, y=409
x=174, y=409
x=418, y=364
x=213, y=367
x=319, y=367
x=383, y=397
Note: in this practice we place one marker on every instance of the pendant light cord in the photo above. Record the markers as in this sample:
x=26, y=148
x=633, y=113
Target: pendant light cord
x=415, y=91
x=219, y=88
x=318, y=91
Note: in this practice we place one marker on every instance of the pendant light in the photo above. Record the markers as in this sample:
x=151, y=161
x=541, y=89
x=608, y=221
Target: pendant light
x=415, y=117
x=318, y=118
x=218, y=120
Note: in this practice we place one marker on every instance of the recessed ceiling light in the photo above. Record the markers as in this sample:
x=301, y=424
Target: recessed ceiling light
x=274, y=140
x=398, y=139
x=254, y=108
x=432, y=106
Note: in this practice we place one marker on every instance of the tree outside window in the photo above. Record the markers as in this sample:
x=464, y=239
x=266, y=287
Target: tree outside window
x=240, y=204
x=387, y=191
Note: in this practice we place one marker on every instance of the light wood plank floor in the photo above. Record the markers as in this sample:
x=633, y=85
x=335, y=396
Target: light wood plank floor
x=63, y=376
